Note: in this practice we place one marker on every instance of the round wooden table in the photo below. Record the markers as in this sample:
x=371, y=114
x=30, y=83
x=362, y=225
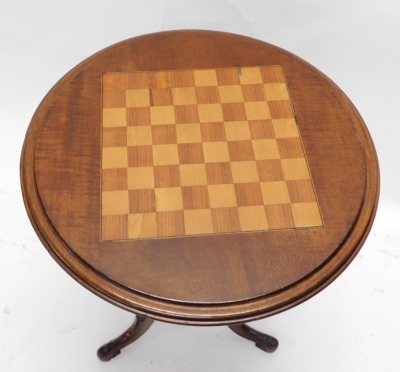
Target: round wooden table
x=199, y=178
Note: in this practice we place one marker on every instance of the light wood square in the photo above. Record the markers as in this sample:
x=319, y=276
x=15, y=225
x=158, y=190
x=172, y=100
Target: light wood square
x=295, y=169
x=188, y=133
x=306, y=214
x=230, y=93
x=215, y=152
x=149, y=226
x=198, y=221
x=193, y=174
x=115, y=157
x=222, y=196
x=114, y=202
x=250, y=75
x=114, y=81
x=159, y=79
x=142, y=225
x=237, y=130
x=244, y=171
x=165, y=154
x=203, y=78
x=169, y=199
x=285, y=128
x=252, y=218
x=184, y=96
x=210, y=113
x=140, y=178
x=139, y=135
x=266, y=149
x=162, y=115
x=275, y=192
x=276, y=91
x=137, y=98
x=257, y=110
x=134, y=225
x=114, y=117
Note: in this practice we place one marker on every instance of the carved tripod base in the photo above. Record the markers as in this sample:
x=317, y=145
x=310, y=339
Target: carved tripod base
x=264, y=342
x=113, y=348
x=142, y=323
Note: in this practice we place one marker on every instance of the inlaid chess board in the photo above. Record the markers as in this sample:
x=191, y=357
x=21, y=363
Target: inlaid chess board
x=199, y=152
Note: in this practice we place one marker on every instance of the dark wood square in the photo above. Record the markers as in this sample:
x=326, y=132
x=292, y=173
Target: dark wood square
x=138, y=116
x=140, y=156
x=261, y=129
x=166, y=176
x=207, y=95
x=142, y=201
x=248, y=194
x=161, y=97
x=240, y=150
x=190, y=153
x=219, y=173
x=234, y=111
x=195, y=197
x=163, y=134
x=213, y=132
x=185, y=114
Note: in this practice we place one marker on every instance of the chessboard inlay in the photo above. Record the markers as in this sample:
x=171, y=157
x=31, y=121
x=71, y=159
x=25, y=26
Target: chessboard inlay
x=199, y=152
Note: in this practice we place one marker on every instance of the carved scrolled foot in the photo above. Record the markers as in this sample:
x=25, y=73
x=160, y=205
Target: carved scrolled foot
x=113, y=348
x=264, y=342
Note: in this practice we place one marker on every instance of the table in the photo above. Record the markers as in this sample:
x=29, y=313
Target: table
x=199, y=178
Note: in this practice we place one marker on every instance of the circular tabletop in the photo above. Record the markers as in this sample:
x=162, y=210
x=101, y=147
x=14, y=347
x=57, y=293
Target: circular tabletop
x=199, y=177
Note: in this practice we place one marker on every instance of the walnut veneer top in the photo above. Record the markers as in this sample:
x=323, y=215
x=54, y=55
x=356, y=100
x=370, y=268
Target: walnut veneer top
x=199, y=177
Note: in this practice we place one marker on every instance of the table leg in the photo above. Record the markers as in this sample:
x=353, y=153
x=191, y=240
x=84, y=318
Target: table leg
x=113, y=348
x=266, y=343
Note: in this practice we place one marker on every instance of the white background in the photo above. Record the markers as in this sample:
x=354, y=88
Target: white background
x=48, y=322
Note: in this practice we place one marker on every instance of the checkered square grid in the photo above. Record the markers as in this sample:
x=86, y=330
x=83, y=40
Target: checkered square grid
x=191, y=152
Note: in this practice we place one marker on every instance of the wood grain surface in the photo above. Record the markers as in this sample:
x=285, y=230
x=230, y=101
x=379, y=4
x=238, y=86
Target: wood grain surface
x=205, y=279
x=248, y=157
